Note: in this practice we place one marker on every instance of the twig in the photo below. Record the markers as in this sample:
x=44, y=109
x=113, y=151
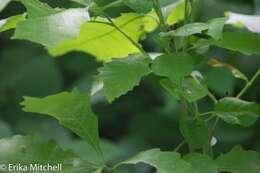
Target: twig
x=248, y=84
x=179, y=146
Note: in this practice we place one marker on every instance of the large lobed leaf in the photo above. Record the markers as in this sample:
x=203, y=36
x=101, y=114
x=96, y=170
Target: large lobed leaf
x=164, y=162
x=201, y=163
x=236, y=111
x=122, y=75
x=101, y=39
x=72, y=109
x=239, y=161
x=171, y=162
x=36, y=8
x=53, y=29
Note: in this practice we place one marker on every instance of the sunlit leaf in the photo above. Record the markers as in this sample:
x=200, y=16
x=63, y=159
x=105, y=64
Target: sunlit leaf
x=36, y=8
x=11, y=22
x=94, y=35
x=177, y=12
x=53, y=29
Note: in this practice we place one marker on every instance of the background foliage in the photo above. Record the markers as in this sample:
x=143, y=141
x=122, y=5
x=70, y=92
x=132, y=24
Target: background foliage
x=144, y=118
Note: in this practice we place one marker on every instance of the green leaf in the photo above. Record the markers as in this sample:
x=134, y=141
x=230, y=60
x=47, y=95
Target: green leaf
x=236, y=111
x=3, y=4
x=195, y=132
x=239, y=161
x=243, y=42
x=163, y=161
x=201, y=163
x=236, y=73
x=94, y=35
x=216, y=27
x=98, y=170
x=191, y=89
x=187, y=30
x=11, y=22
x=122, y=75
x=83, y=2
x=31, y=150
x=174, y=66
x=53, y=29
x=36, y=8
x=143, y=6
x=72, y=109
x=177, y=12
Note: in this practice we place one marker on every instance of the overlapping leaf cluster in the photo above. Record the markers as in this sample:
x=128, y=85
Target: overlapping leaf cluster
x=125, y=64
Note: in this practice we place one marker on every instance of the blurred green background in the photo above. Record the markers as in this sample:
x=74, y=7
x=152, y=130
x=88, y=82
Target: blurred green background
x=144, y=118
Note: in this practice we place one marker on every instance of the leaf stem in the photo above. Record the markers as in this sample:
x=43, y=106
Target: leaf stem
x=248, y=84
x=158, y=10
x=214, y=127
x=179, y=146
x=212, y=97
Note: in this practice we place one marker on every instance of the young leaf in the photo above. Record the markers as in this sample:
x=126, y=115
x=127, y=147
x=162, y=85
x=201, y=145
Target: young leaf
x=94, y=35
x=201, y=163
x=236, y=111
x=174, y=66
x=143, y=6
x=35, y=8
x=72, y=109
x=122, y=75
x=239, y=161
x=187, y=30
x=216, y=28
x=11, y=22
x=251, y=22
x=236, y=73
x=244, y=42
x=195, y=132
x=31, y=150
x=177, y=12
x=164, y=162
x=53, y=29
x=3, y=4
